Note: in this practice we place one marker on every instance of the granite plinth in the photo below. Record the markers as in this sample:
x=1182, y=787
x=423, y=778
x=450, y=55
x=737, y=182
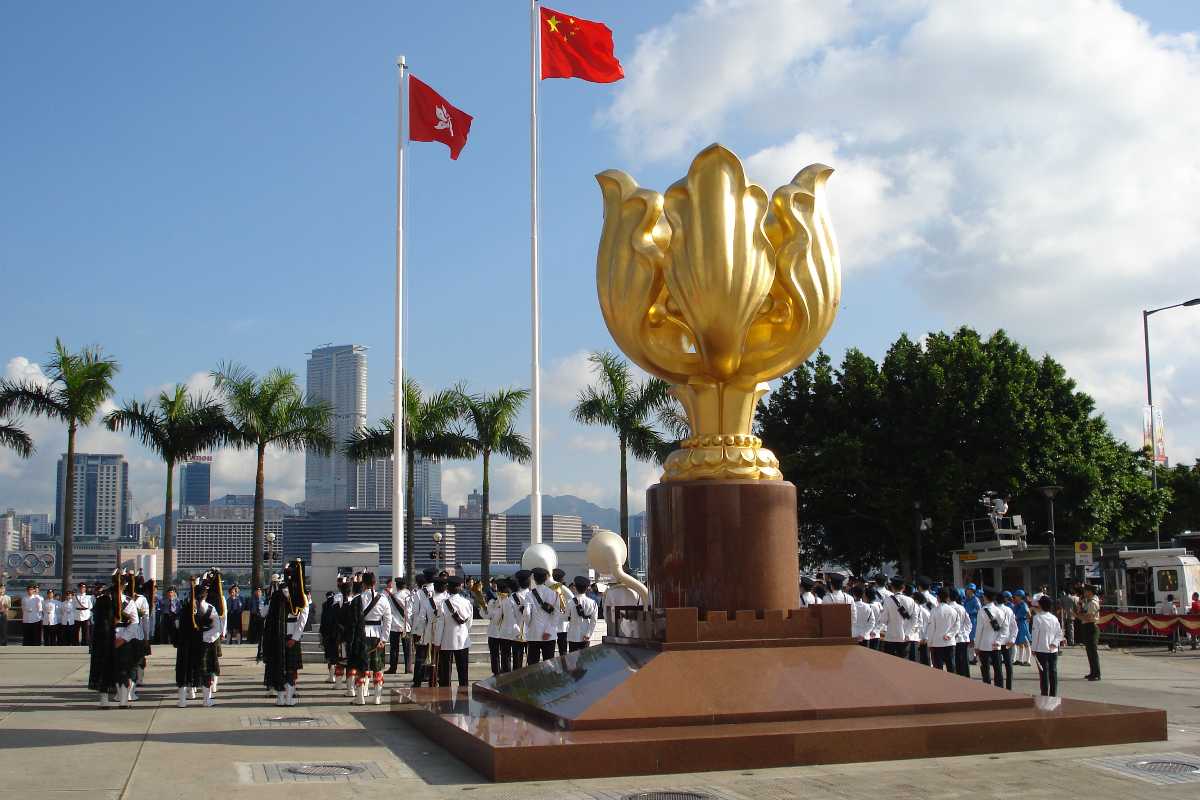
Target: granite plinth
x=617, y=710
x=728, y=544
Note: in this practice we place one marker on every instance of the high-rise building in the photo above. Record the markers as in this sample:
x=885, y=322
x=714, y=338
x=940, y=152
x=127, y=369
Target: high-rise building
x=375, y=482
x=40, y=528
x=195, y=487
x=102, y=498
x=337, y=375
x=228, y=544
x=474, y=507
x=427, y=489
x=637, y=544
x=556, y=529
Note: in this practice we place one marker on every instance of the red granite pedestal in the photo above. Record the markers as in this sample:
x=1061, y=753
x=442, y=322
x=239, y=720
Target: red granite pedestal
x=651, y=706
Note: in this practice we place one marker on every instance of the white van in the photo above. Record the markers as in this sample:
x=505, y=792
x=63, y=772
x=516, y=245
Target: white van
x=1150, y=575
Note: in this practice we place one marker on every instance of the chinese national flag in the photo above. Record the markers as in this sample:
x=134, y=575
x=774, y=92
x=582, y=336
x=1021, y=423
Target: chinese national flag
x=577, y=48
x=432, y=119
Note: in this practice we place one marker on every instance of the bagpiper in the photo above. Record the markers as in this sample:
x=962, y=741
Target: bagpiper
x=331, y=641
x=283, y=633
x=366, y=650
x=197, y=663
x=106, y=614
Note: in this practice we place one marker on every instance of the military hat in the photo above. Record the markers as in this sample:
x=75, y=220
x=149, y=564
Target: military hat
x=558, y=574
x=429, y=572
x=454, y=582
x=923, y=582
x=581, y=583
x=439, y=585
x=806, y=581
x=897, y=581
x=540, y=574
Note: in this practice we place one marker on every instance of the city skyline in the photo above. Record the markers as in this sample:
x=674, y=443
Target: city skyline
x=934, y=230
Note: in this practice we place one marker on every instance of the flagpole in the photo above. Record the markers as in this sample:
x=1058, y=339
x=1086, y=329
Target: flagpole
x=398, y=395
x=535, y=439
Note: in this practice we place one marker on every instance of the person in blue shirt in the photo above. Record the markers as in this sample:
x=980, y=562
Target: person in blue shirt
x=234, y=607
x=972, y=605
x=1021, y=611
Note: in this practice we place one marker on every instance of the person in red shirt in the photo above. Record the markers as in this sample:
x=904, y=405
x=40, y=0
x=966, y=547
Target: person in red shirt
x=1194, y=608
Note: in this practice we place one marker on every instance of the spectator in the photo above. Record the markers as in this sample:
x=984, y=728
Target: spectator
x=1169, y=608
x=170, y=616
x=257, y=611
x=5, y=605
x=1046, y=639
x=234, y=608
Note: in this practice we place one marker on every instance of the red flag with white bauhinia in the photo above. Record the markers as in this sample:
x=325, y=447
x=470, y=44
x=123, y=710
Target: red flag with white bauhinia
x=577, y=48
x=432, y=119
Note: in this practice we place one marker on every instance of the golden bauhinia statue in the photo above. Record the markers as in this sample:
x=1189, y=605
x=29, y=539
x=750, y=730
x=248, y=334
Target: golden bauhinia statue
x=717, y=290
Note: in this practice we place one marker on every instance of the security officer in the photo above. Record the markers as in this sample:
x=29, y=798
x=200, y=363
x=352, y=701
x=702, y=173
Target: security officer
x=1087, y=615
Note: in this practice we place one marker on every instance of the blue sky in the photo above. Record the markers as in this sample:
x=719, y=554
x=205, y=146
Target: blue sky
x=191, y=184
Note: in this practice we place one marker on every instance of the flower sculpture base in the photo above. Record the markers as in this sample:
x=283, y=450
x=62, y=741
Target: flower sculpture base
x=639, y=709
x=722, y=544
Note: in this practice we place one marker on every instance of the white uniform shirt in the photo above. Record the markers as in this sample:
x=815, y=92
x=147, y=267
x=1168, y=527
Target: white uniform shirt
x=564, y=601
x=203, y=612
x=399, y=612
x=920, y=623
x=930, y=598
x=514, y=618
x=145, y=620
x=378, y=619
x=807, y=599
x=296, y=622
x=543, y=625
x=456, y=635
x=424, y=613
x=987, y=636
x=581, y=626
x=68, y=611
x=51, y=612
x=877, y=607
x=863, y=622
x=837, y=597
x=83, y=607
x=945, y=626
x=964, y=622
x=1046, y=633
x=31, y=608
x=1010, y=624
x=492, y=612
x=438, y=627
x=898, y=628
x=131, y=630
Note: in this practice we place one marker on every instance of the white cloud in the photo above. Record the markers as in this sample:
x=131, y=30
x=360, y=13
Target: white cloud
x=457, y=483
x=1031, y=165
x=565, y=378
x=593, y=443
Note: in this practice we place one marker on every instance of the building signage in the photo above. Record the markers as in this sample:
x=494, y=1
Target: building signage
x=1083, y=554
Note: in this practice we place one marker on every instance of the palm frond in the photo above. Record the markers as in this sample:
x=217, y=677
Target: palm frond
x=17, y=440
x=368, y=442
x=142, y=422
x=514, y=446
x=32, y=399
x=644, y=442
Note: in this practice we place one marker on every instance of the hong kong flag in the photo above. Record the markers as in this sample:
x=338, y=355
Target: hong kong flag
x=432, y=119
x=577, y=48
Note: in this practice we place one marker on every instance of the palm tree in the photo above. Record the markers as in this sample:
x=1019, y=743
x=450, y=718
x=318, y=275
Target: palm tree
x=491, y=418
x=177, y=426
x=270, y=412
x=16, y=439
x=77, y=385
x=428, y=432
x=620, y=403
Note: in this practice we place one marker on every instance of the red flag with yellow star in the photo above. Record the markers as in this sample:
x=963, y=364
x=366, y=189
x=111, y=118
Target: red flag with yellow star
x=577, y=48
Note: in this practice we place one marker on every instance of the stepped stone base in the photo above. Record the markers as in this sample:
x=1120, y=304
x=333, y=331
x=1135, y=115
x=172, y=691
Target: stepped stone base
x=618, y=709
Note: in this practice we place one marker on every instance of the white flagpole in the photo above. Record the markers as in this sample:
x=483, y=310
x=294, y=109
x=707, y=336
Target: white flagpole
x=535, y=439
x=398, y=395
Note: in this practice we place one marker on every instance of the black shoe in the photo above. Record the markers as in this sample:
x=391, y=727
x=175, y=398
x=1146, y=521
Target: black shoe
x=1093, y=677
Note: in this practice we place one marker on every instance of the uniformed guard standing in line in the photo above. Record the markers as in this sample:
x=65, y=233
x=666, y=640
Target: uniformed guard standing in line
x=899, y=612
x=807, y=598
x=581, y=616
x=543, y=625
x=514, y=620
x=1088, y=616
x=989, y=638
x=493, y=614
x=437, y=626
x=564, y=597
x=921, y=628
x=943, y=631
x=455, y=643
x=399, y=642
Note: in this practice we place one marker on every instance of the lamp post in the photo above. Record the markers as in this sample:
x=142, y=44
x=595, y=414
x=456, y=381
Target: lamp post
x=271, y=554
x=1195, y=301
x=437, y=551
x=1050, y=492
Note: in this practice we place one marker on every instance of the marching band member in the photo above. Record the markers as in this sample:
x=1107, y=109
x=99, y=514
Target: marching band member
x=494, y=613
x=543, y=625
x=564, y=598
x=330, y=632
x=514, y=621
x=283, y=634
x=420, y=627
x=371, y=615
x=807, y=598
x=401, y=600
x=102, y=672
x=581, y=616
x=455, y=641
x=436, y=627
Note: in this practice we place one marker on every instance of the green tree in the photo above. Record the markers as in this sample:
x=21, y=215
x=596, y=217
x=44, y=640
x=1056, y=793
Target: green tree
x=626, y=406
x=270, y=412
x=1183, y=481
x=430, y=431
x=177, y=426
x=77, y=385
x=936, y=424
x=491, y=420
x=16, y=439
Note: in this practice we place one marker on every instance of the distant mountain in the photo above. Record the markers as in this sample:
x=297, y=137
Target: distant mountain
x=572, y=506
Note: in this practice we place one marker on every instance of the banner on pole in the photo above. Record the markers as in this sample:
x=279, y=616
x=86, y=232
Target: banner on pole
x=1160, y=447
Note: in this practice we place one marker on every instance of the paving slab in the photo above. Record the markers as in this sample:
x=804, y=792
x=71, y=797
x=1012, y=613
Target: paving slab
x=55, y=743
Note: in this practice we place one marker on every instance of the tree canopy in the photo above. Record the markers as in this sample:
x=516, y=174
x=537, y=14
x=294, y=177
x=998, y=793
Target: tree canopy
x=938, y=423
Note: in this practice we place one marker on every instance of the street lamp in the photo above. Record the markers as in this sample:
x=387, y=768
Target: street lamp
x=1050, y=492
x=437, y=550
x=271, y=555
x=1195, y=301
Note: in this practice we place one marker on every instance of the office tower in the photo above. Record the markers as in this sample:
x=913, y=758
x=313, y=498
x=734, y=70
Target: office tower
x=427, y=489
x=337, y=376
x=225, y=543
x=102, y=497
x=474, y=507
x=637, y=543
x=375, y=482
x=195, y=487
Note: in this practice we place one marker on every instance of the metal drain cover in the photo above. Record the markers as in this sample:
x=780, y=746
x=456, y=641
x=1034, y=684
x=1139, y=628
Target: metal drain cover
x=325, y=770
x=1167, y=767
x=294, y=720
x=667, y=795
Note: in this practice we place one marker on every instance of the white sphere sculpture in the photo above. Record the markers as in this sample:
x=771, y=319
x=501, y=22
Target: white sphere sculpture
x=539, y=555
